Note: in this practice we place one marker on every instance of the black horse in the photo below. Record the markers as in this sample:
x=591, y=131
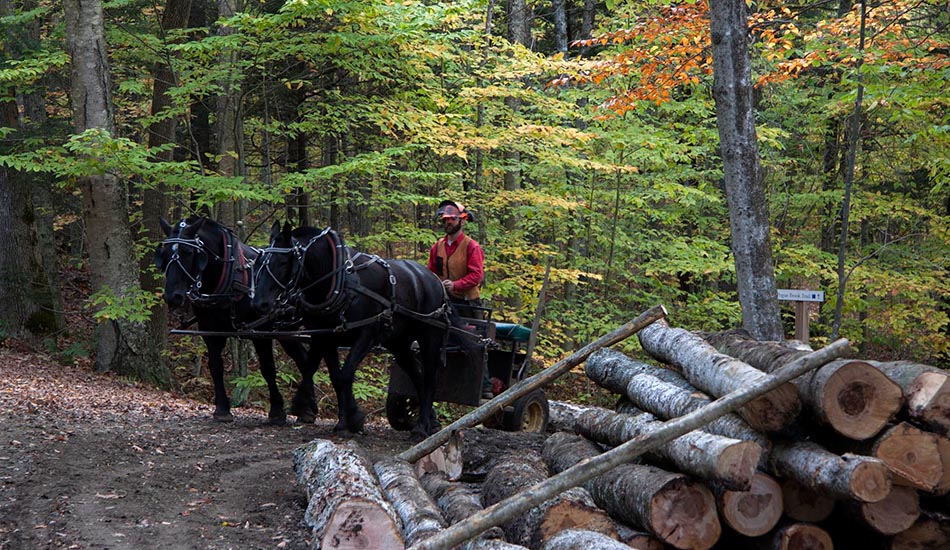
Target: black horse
x=199, y=251
x=358, y=301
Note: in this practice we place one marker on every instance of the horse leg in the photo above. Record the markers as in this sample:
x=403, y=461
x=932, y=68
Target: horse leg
x=304, y=405
x=222, y=405
x=430, y=357
x=351, y=417
x=265, y=355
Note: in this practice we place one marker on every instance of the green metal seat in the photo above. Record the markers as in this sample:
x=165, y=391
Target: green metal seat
x=512, y=331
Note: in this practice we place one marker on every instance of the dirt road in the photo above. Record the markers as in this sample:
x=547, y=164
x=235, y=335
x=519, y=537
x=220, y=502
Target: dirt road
x=90, y=461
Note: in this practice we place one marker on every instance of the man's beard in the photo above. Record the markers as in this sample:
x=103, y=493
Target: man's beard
x=452, y=228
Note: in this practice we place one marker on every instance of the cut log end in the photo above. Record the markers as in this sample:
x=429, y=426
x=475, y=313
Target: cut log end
x=572, y=515
x=773, y=411
x=754, y=512
x=803, y=536
x=360, y=524
x=928, y=399
x=871, y=481
x=684, y=515
x=913, y=456
x=859, y=400
x=894, y=514
x=803, y=504
x=739, y=461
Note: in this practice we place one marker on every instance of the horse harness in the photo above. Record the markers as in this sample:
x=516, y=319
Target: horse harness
x=235, y=281
x=344, y=282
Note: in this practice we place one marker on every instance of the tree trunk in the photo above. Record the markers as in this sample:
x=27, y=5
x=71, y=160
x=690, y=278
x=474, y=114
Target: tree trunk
x=786, y=536
x=123, y=346
x=678, y=511
x=931, y=530
x=419, y=514
x=718, y=374
x=750, y=513
x=706, y=456
x=346, y=506
x=483, y=447
x=851, y=396
x=748, y=208
x=669, y=401
x=229, y=126
x=560, y=26
x=803, y=504
x=926, y=392
x=580, y=539
x=457, y=502
x=515, y=472
x=849, y=476
x=613, y=370
x=895, y=513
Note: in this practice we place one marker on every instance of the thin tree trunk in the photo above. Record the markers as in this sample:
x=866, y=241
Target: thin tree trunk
x=420, y=516
x=748, y=206
x=560, y=26
x=123, y=346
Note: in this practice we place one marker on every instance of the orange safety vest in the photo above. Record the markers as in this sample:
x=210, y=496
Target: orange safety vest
x=455, y=267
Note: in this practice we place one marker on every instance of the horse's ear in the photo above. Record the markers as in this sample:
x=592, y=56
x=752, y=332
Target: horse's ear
x=287, y=229
x=274, y=231
x=166, y=227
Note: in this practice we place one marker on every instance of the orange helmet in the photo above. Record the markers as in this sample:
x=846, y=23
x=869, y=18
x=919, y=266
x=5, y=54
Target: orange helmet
x=452, y=209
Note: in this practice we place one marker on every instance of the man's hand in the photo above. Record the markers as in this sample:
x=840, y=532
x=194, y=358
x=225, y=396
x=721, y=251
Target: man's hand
x=448, y=285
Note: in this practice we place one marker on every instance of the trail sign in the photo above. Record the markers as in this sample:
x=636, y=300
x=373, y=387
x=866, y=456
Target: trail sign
x=796, y=295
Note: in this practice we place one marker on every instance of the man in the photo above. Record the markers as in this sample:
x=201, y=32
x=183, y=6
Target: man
x=458, y=260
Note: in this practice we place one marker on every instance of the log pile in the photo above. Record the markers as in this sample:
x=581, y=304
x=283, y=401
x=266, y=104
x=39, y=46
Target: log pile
x=852, y=452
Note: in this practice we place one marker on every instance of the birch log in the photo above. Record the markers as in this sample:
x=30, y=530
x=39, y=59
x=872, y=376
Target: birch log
x=895, y=513
x=707, y=456
x=750, y=513
x=803, y=504
x=483, y=446
x=853, y=397
x=847, y=476
x=613, y=370
x=677, y=511
x=641, y=540
x=573, y=508
x=718, y=374
x=930, y=531
x=912, y=454
x=667, y=401
x=420, y=516
x=346, y=508
x=580, y=539
x=457, y=501
x=926, y=392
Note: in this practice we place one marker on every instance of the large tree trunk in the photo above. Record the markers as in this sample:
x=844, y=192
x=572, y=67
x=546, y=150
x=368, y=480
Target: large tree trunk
x=853, y=397
x=849, y=476
x=718, y=374
x=748, y=209
x=926, y=392
x=123, y=347
x=710, y=457
x=420, y=515
x=516, y=472
x=346, y=506
x=678, y=511
x=750, y=513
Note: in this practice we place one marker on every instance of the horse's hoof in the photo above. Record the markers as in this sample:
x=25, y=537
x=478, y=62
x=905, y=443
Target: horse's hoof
x=277, y=420
x=306, y=418
x=223, y=417
x=356, y=421
x=305, y=415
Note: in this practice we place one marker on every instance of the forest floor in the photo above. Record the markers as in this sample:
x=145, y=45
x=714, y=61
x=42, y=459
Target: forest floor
x=94, y=461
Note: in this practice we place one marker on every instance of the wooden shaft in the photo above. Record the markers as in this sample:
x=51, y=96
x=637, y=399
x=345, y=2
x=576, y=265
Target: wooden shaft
x=494, y=406
x=589, y=469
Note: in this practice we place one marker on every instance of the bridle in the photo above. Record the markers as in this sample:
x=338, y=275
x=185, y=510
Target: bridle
x=224, y=291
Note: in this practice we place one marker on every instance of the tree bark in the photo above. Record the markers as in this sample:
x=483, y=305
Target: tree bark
x=750, y=513
x=483, y=447
x=849, y=476
x=613, y=370
x=931, y=530
x=446, y=459
x=679, y=512
x=851, y=396
x=710, y=457
x=517, y=471
x=581, y=539
x=560, y=26
x=229, y=126
x=123, y=346
x=457, y=502
x=895, y=513
x=419, y=514
x=718, y=374
x=748, y=208
x=638, y=539
x=803, y=504
x=926, y=391
x=670, y=401
x=346, y=506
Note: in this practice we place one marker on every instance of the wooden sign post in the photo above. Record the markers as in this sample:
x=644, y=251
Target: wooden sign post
x=801, y=299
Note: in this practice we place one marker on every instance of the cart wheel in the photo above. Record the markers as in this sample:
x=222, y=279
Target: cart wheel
x=402, y=411
x=530, y=415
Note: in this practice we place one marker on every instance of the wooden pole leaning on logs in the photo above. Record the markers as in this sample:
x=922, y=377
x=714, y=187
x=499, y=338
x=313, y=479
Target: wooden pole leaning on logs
x=593, y=467
x=706, y=456
x=852, y=397
x=718, y=374
x=498, y=403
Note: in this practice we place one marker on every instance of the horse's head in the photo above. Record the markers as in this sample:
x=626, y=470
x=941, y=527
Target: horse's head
x=277, y=269
x=183, y=257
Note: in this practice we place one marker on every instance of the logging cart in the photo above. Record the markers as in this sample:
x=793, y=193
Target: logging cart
x=501, y=348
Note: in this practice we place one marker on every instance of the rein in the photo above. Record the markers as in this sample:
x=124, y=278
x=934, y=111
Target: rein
x=231, y=286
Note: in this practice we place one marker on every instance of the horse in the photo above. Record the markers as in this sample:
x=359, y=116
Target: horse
x=358, y=300
x=199, y=250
